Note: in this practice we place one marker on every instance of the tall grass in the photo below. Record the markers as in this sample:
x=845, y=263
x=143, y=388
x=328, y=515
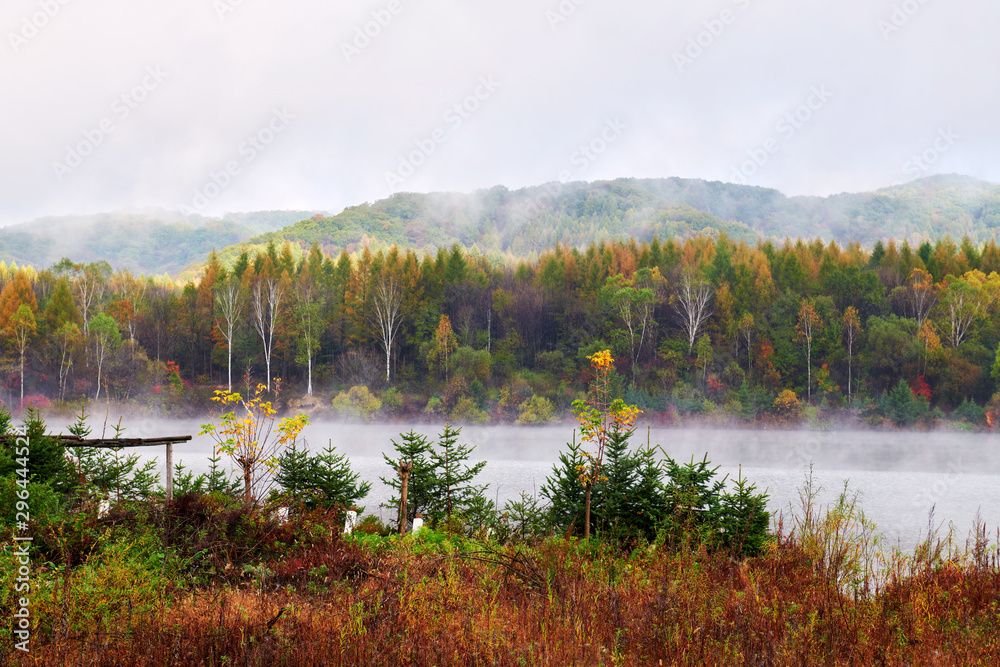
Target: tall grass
x=823, y=593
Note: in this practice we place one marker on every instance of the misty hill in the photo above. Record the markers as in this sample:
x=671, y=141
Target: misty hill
x=533, y=219
x=151, y=241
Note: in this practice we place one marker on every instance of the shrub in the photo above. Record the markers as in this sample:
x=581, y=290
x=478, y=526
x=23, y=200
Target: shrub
x=36, y=401
x=554, y=362
x=969, y=411
x=466, y=412
x=787, y=405
x=434, y=404
x=536, y=410
x=372, y=525
x=471, y=364
x=357, y=403
x=44, y=504
x=392, y=399
x=902, y=406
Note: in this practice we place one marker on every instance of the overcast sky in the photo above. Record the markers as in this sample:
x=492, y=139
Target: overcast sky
x=234, y=105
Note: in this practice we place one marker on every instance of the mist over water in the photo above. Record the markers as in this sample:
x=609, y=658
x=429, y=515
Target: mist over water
x=900, y=475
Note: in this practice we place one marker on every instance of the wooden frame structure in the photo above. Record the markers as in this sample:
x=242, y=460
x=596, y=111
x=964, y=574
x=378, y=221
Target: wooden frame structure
x=116, y=443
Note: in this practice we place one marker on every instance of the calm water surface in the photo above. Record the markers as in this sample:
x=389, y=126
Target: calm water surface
x=900, y=476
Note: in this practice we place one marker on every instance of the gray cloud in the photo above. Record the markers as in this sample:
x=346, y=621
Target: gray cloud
x=358, y=110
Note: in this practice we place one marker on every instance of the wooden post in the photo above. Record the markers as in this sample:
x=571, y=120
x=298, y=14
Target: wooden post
x=404, y=477
x=170, y=471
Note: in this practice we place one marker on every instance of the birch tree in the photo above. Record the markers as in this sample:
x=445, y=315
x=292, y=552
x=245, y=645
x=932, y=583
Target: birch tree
x=89, y=284
x=132, y=290
x=230, y=302
x=809, y=322
x=308, y=319
x=266, y=296
x=634, y=306
x=386, y=301
x=966, y=300
x=691, y=304
x=107, y=337
x=67, y=338
x=22, y=327
x=852, y=328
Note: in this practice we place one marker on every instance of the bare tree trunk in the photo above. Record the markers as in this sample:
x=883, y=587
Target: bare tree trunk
x=404, y=481
x=586, y=512
x=247, y=484
x=809, y=383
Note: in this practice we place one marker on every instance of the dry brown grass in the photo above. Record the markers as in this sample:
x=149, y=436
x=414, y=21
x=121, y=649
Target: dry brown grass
x=560, y=603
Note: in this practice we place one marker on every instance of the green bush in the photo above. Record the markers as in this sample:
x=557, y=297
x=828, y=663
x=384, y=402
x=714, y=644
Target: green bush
x=392, y=399
x=969, y=411
x=536, y=410
x=466, y=412
x=45, y=506
x=902, y=407
x=357, y=403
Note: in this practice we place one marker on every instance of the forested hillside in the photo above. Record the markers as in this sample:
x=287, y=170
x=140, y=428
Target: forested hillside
x=531, y=220
x=713, y=327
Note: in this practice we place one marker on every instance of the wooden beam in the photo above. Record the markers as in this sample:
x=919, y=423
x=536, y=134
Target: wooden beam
x=110, y=443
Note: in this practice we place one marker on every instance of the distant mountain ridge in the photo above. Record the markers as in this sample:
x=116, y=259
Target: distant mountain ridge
x=152, y=242
x=520, y=222
x=530, y=220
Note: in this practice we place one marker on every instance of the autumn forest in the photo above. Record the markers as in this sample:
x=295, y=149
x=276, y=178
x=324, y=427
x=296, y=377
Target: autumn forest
x=701, y=328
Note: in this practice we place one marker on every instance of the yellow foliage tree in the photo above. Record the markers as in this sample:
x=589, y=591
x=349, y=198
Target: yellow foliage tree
x=249, y=433
x=442, y=345
x=600, y=419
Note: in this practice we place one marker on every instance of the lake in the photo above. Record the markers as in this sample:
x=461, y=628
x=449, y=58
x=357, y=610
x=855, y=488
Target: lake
x=900, y=475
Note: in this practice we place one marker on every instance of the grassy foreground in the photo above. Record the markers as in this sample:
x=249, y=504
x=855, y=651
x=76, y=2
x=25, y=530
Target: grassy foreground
x=205, y=582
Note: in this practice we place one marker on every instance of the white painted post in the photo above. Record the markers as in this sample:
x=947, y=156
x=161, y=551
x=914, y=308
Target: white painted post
x=418, y=522
x=352, y=520
x=170, y=471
